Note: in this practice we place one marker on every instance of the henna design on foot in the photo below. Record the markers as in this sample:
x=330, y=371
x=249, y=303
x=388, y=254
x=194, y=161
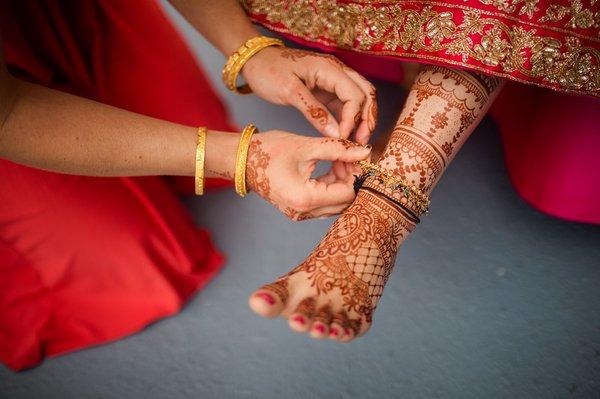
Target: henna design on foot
x=349, y=268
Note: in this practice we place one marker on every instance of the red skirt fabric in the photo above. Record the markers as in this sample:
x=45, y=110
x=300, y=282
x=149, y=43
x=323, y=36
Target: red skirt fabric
x=551, y=135
x=86, y=260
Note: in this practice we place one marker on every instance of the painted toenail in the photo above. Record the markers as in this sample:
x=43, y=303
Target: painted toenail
x=268, y=298
x=334, y=332
x=320, y=328
x=299, y=319
x=347, y=331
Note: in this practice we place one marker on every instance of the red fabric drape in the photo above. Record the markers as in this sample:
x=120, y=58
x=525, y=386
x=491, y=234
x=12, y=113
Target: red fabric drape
x=87, y=260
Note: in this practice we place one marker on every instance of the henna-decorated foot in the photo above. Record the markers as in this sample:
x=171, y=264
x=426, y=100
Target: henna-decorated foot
x=334, y=292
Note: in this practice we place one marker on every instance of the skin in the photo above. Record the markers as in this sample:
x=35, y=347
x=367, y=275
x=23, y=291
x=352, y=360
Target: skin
x=59, y=132
x=320, y=86
x=335, y=291
x=39, y=123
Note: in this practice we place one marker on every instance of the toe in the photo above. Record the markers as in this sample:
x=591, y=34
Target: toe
x=300, y=320
x=335, y=331
x=270, y=299
x=339, y=325
x=321, y=321
x=299, y=323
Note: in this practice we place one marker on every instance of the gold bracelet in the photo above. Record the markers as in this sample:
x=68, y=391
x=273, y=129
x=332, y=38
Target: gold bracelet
x=236, y=61
x=242, y=158
x=200, y=156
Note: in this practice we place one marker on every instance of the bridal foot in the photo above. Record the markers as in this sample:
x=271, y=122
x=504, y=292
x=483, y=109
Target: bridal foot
x=334, y=292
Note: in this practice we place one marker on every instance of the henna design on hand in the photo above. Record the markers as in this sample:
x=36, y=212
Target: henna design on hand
x=296, y=54
x=315, y=112
x=372, y=111
x=256, y=169
x=226, y=174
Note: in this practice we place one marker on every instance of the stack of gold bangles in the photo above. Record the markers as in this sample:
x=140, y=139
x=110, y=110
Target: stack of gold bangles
x=231, y=70
x=236, y=61
x=241, y=160
x=405, y=195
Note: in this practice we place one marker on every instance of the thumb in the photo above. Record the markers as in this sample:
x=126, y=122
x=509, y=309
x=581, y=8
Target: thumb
x=328, y=149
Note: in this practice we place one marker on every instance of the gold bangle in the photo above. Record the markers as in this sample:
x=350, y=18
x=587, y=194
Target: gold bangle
x=236, y=61
x=200, y=156
x=242, y=158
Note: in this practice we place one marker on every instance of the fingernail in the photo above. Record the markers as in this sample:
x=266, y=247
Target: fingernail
x=299, y=319
x=268, y=298
x=332, y=130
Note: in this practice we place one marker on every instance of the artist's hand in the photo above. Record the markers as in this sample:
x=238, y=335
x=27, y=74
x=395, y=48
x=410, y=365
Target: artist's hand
x=319, y=85
x=279, y=169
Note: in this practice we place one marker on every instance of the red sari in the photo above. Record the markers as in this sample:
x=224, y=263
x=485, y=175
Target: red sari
x=549, y=50
x=86, y=260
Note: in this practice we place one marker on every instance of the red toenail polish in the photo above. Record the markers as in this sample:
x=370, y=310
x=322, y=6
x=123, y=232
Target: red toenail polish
x=299, y=319
x=268, y=298
x=334, y=332
x=347, y=331
x=320, y=328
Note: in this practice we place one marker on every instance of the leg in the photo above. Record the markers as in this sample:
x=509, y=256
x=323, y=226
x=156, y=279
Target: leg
x=336, y=289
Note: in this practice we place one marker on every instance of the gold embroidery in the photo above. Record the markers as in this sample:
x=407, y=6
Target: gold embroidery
x=520, y=52
x=581, y=18
x=528, y=7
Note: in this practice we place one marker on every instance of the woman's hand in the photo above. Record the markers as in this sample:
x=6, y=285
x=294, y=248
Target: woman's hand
x=317, y=85
x=279, y=169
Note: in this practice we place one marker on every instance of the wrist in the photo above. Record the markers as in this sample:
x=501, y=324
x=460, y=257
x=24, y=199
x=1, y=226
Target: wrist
x=235, y=41
x=254, y=63
x=221, y=149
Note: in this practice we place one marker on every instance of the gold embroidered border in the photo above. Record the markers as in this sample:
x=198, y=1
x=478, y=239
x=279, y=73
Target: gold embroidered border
x=516, y=52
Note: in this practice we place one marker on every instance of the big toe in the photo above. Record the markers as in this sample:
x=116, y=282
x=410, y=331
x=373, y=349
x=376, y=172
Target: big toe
x=270, y=299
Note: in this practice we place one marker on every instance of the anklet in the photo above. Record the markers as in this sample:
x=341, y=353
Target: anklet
x=391, y=186
x=403, y=209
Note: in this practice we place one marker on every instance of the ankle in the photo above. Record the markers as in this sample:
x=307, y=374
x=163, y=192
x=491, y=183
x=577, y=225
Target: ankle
x=396, y=219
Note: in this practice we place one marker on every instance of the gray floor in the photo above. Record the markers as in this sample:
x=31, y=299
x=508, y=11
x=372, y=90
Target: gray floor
x=489, y=299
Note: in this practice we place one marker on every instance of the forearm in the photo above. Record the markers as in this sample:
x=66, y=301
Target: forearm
x=55, y=131
x=223, y=23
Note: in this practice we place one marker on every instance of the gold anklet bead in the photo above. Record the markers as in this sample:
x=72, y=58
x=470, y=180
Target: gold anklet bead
x=241, y=159
x=238, y=59
x=200, y=157
x=399, y=196
x=418, y=200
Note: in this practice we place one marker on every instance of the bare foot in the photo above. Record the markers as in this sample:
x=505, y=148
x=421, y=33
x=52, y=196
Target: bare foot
x=334, y=292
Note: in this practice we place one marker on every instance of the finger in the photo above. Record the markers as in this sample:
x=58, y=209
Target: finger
x=337, y=150
x=329, y=211
x=331, y=77
x=368, y=117
x=314, y=111
x=325, y=195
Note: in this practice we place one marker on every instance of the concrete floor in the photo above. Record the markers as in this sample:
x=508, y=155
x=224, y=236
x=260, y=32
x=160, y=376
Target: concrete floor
x=489, y=299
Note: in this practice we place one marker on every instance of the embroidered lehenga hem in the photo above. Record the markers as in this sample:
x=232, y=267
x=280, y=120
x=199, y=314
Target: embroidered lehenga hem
x=553, y=44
